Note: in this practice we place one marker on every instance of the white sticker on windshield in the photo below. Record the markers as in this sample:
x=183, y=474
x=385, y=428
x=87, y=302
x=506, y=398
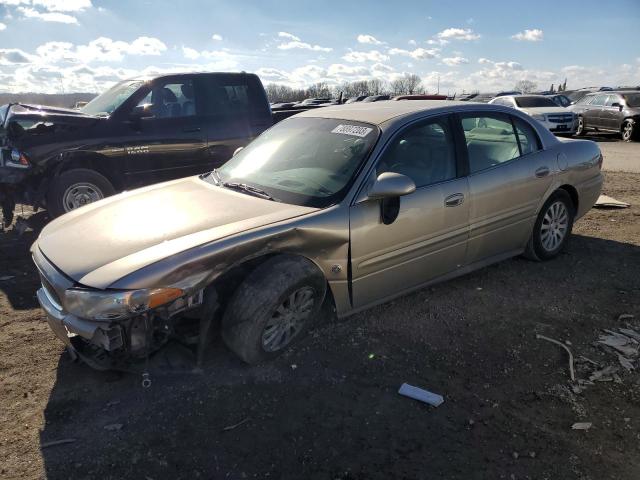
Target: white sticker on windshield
x=355, y=130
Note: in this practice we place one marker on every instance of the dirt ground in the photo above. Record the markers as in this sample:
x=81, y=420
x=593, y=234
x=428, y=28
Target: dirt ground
x=329, y=409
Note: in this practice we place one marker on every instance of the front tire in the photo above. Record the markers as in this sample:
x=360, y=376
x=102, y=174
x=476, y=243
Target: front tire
x=628, y=131
x=273, y=307
x=580, y=131
x=552, y=228
x=75, y=188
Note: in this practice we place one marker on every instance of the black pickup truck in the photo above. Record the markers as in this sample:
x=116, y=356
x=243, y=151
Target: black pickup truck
x=139, y=132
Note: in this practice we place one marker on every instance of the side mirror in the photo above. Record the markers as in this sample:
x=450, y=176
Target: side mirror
x=617, y=104
x=391, y=184
x=141, y=111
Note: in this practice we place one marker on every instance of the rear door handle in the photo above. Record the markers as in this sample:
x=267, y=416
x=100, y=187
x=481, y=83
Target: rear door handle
x=454, y=200
x=191, y=129
x=542, y=172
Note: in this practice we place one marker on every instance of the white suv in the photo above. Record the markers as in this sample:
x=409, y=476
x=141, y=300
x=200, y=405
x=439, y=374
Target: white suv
x=556, y=118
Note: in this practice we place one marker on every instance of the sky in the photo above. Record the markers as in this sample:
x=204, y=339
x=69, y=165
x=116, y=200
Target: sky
x=55, y=46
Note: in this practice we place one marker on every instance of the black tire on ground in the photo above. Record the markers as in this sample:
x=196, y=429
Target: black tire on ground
x=629, y=131
x=580, y=131
x=259, y=301
x=94, y=184
x=538, y=247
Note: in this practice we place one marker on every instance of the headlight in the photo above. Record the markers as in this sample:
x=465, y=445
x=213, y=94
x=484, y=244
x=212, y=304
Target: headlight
x=540, y=118
x=116, y=305
x=18, y=159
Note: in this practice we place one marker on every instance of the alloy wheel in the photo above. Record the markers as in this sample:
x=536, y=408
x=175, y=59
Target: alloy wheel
x=555, y=225
x=627, y=131
x=288, y=319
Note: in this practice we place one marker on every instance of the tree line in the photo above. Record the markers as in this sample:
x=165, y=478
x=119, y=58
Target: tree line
x=408, y=84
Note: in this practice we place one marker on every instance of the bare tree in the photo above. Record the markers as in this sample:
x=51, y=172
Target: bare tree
x=526, y=86
x=407, y=85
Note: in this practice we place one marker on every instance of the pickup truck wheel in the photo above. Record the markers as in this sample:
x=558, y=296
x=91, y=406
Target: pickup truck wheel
x=75, y=188
x=273, y=307
x=628, y=131
x=552, y=228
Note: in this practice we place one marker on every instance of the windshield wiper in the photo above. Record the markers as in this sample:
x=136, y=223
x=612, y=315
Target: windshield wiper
x=249, y=189
x=213, y=173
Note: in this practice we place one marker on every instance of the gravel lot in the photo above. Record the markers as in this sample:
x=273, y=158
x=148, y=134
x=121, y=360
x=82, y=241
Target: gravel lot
x=329, y=408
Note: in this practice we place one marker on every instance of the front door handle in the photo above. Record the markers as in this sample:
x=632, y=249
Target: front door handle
x=454, y=200
x=542, y=172
x=191, y=129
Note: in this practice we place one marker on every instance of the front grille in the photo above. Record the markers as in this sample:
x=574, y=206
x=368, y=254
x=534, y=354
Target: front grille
x=51, y=292
x=560, y=118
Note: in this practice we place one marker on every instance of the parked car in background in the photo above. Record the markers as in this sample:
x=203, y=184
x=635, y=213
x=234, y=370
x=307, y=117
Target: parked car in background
x=420, y=97
x=139, y=132
x=335, y=208
x=554, y=117
x=359, y=98
x=610, y=111
x=376, y=98
x=559, y=99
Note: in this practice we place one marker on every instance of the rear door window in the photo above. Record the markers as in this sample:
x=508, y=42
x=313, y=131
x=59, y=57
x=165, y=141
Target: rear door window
x=171, y=99
x=491, y=140
x=527, y=136
x=232, y=96
x=599, y=100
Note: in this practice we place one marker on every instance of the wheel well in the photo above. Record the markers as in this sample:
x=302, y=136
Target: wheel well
x=227, y=283
x=573, y=193
x=100, y=165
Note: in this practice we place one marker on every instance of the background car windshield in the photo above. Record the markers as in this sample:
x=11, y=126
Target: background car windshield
x=632, y=99
x=304, y=161
x=533, y=102
x=107, y=102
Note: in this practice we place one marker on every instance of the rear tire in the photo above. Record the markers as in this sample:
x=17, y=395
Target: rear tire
x=273, y=307
x=552, y=229
x=75, y=188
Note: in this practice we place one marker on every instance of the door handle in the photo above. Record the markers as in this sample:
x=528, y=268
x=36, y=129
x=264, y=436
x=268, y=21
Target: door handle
x=542, y=172
x=454, y=200
x=191, y=129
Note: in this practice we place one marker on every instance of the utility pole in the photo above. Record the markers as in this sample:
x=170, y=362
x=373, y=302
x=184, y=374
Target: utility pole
x=438, y=93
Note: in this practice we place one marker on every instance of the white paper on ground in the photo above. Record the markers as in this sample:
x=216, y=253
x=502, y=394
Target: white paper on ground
x=421, y=395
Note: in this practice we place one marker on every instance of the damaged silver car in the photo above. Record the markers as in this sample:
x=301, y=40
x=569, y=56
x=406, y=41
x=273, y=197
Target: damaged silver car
x=339, y=208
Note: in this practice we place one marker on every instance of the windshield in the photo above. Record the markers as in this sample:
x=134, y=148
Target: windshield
x=632, y=99
x=533, y=102
x=303, y=161
x=107, y=102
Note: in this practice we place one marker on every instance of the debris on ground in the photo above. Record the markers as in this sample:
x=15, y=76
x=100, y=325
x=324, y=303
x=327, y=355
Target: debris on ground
x=572, y=372
x=236, y=425
x=113, y=427
x=421, y=395
x=53, y=443
x=624, y=344
x=581, y=426
x=605, y=201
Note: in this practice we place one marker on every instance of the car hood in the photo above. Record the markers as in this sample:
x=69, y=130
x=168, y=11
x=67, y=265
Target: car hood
x=146, y=225
x=544, y=110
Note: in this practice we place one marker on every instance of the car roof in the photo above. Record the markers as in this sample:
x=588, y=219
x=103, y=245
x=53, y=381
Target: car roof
x=378, y=113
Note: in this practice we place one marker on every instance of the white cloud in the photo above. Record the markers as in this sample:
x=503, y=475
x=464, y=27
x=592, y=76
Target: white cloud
x=369, y=39
x=47, y=16
x=101, y=49
x=361, y=57
x=454, y=61
x=222, y=59
x=412, y=42
x=289, y=36
x=217, y=37
x=417, y=54
x=464, y=34
x=303, y=46
x=340, y=70
x=63, y=5
x=534, y=35
x=484, y=60
x=2, y=26
x=10, y=56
